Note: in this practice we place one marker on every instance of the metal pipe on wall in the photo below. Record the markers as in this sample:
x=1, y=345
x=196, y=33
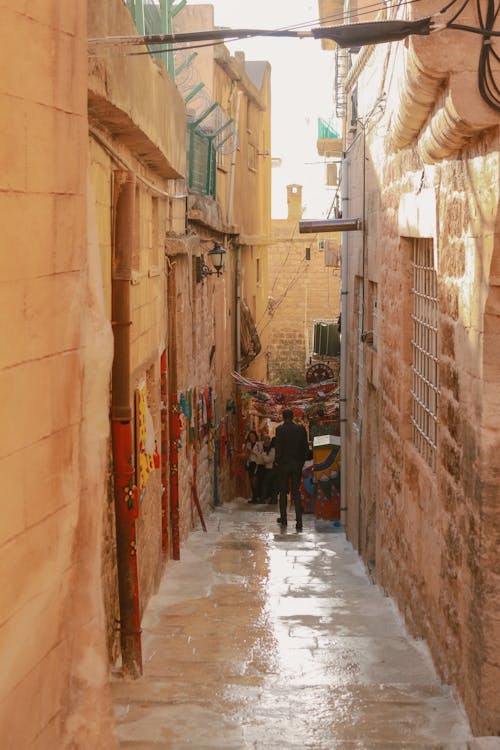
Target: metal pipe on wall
x=344, y=277
x=174, y=423
x=165, y=543
x=308, y=226
x=230, y=198
x=125, y=490
x=237, y=317
x=237, y=270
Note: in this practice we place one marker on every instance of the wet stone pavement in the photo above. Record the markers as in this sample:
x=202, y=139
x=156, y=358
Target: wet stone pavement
x=268, y=639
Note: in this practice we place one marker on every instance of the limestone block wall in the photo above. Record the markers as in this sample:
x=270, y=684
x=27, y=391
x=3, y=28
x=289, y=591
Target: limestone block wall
x=148, y=336
x=205, y=311
x=430, y=532
x=300, y=291
x=55, y=356
x=120, y=101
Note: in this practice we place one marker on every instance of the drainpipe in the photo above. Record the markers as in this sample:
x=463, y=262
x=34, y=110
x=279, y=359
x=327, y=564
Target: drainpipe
x=237, y=317
x=174, y=423
x=125, y=491
x=164, y=454
x=230, y=199
x=344, y=280
x=230, y=203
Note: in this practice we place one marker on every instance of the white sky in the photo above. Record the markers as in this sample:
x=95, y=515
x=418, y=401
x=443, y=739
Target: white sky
x=301, y=91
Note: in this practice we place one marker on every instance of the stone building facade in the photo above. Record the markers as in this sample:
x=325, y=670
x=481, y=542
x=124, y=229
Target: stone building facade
x=55, y=363
x=304, y=287
x=184, y=318
x=420, y=322
x=119, y=347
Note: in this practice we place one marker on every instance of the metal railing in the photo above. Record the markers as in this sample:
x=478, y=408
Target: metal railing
x=325, y=130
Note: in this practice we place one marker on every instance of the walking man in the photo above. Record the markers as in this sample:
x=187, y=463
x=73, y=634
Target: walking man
x=291, y=452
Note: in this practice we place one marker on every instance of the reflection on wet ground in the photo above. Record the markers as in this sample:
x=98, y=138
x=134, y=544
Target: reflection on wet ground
x=264, y=639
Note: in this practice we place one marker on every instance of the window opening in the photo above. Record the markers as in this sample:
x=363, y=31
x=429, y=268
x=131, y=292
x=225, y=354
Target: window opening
x=424, y=368
x=359, y=300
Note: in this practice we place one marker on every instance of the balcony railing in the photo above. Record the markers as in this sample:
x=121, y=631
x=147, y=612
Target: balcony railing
x=156, y=17
x=329, y=142
x=207, y=132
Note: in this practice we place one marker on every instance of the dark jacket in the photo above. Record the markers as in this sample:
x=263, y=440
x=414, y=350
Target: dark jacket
x=291, y=443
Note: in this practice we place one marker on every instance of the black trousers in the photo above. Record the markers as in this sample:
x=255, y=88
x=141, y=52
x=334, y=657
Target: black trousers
x=290, y=475
x=269, y=488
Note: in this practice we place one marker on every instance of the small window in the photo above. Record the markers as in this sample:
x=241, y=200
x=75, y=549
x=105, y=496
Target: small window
x=326, y=339
x=372, y=321
x=424, y=346
x=354, y=110
x=155, y=231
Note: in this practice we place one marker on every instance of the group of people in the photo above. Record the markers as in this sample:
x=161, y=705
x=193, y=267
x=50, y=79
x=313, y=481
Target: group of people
x=260, y=464
x=275, y=465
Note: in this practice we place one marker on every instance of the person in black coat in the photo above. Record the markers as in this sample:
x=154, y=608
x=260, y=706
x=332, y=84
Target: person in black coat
x=292, y=448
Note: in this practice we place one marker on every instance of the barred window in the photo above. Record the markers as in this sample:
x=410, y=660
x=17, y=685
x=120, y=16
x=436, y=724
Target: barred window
x=372, y=316
x=359, y=291
x=424, y=368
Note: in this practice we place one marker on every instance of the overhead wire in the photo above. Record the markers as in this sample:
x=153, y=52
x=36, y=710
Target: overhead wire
x=487, y=84
x=488, y=87
x=181, y=46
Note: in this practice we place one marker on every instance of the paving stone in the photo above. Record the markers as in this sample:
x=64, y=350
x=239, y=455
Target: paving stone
x=278, y=640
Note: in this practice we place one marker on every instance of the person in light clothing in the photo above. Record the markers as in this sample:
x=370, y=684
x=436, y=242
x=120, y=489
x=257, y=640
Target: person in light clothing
x=269, y=492
x=253, y=459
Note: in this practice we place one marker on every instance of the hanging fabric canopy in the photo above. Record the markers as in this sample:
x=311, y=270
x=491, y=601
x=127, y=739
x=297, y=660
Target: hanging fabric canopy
x=320, y=400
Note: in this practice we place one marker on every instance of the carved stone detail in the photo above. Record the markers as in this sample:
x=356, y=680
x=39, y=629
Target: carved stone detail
x=446, y=134
x=420, y=91
x=436, y=114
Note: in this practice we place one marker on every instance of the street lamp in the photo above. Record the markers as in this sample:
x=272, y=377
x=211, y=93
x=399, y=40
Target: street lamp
x=216, y=255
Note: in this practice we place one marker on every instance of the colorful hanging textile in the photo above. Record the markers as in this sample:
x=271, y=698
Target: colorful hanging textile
x=191, y=419
x=316, y=401
x=145, y=439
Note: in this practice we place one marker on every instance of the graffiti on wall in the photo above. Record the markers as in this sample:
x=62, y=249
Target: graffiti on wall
x=145, y=439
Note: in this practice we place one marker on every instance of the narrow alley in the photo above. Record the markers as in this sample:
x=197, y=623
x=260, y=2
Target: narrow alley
x=261, y=638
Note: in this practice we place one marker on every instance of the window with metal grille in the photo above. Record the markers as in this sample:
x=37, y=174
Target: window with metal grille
x=359, y=292
x=424, y=367
x=372, y=315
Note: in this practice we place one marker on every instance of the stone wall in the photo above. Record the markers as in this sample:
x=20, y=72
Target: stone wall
x=430, y=533
x=55, y=364
x=435, y=543
x=300, y=291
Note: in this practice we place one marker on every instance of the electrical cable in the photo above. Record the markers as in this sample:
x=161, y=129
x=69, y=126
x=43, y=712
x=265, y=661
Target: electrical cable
x=368, y=10
x=488, y=87
x=462, y=7
x=170, y=48
x=487, y=84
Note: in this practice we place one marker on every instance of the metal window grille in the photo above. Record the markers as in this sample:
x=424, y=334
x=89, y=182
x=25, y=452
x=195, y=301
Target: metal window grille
x=424, y=369
x=359, y=296
x=373, y=313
